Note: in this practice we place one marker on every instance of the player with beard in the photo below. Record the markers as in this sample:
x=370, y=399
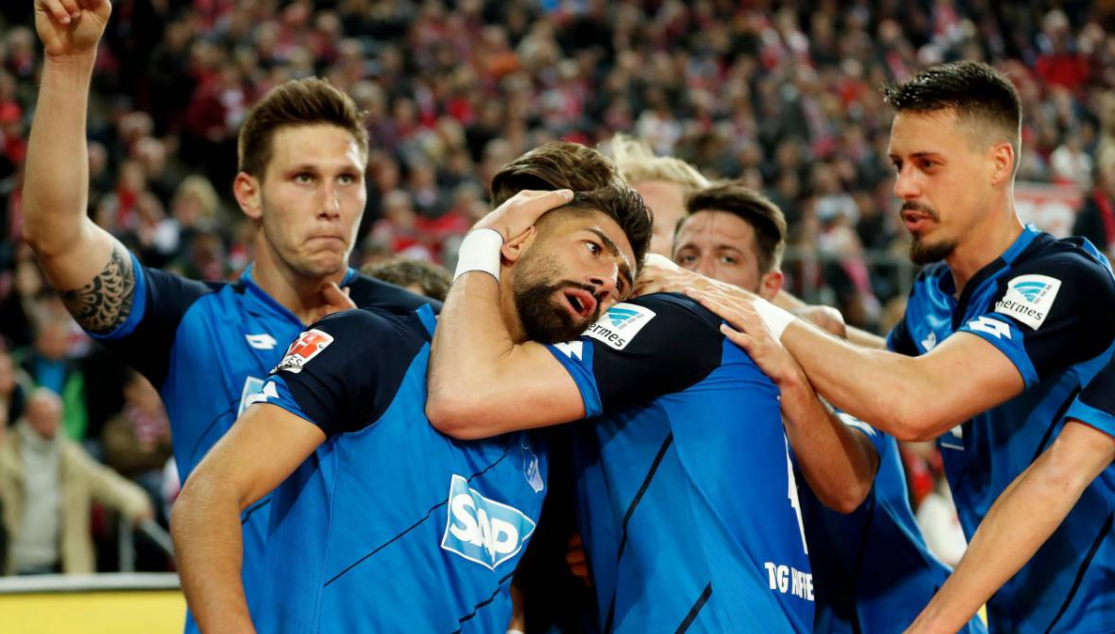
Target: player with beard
x=682, y=446
x=380, y=522
x=1004, y=328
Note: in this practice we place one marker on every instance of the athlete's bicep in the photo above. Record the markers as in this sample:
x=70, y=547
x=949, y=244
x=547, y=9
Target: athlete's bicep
x=536, y=387
x=265, y=446
x=103, y=303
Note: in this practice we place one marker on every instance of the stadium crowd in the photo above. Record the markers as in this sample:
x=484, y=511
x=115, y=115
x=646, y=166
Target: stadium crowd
x=782, y=96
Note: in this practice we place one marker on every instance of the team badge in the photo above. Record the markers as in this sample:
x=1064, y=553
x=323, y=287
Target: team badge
x=309, y=345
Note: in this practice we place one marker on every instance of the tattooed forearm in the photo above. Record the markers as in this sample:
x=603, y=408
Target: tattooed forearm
x=106, y=302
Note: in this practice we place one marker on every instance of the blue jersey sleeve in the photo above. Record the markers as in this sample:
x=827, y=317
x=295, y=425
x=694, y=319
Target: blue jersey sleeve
x=1095, y=406
x=898, y=340
x=343, y=373
x=642, y=349
x=1050, y=314
x=146, y=337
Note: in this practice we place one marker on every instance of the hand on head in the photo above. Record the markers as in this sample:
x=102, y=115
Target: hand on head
x=522, y=211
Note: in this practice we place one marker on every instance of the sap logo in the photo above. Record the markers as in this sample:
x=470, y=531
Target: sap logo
x=1029, y=298
x=620, y=325
x=790, y=580
x=929, y=342
x=262, y=341
x=482, y=530
x=571, y=349
x=309, y=345
x=990, y=326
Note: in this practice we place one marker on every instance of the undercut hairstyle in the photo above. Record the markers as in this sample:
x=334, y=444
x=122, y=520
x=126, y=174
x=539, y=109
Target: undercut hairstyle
x=765, y=217
x=618, y=202
x=299, y=102
x=552, y=166
x=638, y=163
x=976, y=92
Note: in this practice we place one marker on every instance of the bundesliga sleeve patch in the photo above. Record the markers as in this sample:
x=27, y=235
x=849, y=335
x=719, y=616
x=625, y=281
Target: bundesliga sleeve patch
x=1029, y=299
x=309, y=345
x=620, y=324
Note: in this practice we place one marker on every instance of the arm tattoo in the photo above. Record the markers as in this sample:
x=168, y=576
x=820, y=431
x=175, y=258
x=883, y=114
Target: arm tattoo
x=106, y=302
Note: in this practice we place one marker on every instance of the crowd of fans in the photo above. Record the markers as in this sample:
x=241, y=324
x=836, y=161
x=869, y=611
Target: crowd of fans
x=782, y=95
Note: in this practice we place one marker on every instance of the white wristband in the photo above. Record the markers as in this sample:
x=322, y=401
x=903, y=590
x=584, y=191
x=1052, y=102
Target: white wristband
x=776, y=319
x=480, y=251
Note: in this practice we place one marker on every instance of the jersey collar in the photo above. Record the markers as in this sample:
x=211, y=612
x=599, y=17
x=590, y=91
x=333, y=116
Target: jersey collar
x=261, y=295
x=948, y=285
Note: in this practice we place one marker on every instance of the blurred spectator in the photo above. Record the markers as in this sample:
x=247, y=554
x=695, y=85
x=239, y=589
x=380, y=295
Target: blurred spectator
x=419, y=276
x=48, y=483
x=137, y=439
x=1096, y=219
x=51, y=363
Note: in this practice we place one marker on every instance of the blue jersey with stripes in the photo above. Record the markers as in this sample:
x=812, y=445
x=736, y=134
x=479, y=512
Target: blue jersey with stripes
x=687, y=502
x=391, y=526
x=207, y=348
x=1047, y=305
x=872, y=570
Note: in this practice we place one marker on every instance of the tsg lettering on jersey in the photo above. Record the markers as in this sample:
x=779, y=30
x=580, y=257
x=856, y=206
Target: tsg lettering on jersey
x=482, y=530
x=790, y=580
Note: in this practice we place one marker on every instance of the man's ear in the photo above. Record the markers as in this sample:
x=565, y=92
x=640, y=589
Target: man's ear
x=248, y=192
x=770, y=284
x=514, y=248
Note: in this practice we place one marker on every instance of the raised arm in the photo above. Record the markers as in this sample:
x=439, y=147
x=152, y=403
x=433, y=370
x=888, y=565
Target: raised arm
x=481, y=383
x=1012, y=531
x=264, y=447
x=91, y=269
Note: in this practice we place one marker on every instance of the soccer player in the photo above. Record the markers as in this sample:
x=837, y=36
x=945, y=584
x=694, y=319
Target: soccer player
x=662, y=181
x=871, y=566
x=998, y=339
x=683, y=446
x=1071, y=480
x=206, y=347
x=382, y=523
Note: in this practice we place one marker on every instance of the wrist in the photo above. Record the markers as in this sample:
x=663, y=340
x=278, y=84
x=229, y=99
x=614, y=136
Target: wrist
x=775, y=318
x=480, y=251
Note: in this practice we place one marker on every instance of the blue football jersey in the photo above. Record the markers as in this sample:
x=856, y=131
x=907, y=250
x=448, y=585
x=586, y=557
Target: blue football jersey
x=688, y=506
x=391, y=526
x=872, y=570
x=207, y=348
x=1047, y=305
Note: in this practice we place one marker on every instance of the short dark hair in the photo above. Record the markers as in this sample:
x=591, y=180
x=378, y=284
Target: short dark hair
x=298, y=102
x=555, y=165
x=752, y=207
x=620, y=203
x=434, y=280
x=973, y=90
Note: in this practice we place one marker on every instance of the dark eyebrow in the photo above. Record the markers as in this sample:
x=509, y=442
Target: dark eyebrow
x=614, y=250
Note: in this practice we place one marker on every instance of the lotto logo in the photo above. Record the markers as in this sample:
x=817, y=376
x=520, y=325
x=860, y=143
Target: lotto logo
x=482, y=530
x=309, y=345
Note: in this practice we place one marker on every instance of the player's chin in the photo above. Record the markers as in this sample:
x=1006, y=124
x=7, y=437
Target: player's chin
x=324, y=264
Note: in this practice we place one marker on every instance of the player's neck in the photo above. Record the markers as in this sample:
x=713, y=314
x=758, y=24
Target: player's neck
x=297, y=293
x=983, y=245
x=508, y=310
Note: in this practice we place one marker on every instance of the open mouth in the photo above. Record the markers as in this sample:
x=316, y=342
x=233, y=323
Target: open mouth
x=915, y=221
x=580, y=302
